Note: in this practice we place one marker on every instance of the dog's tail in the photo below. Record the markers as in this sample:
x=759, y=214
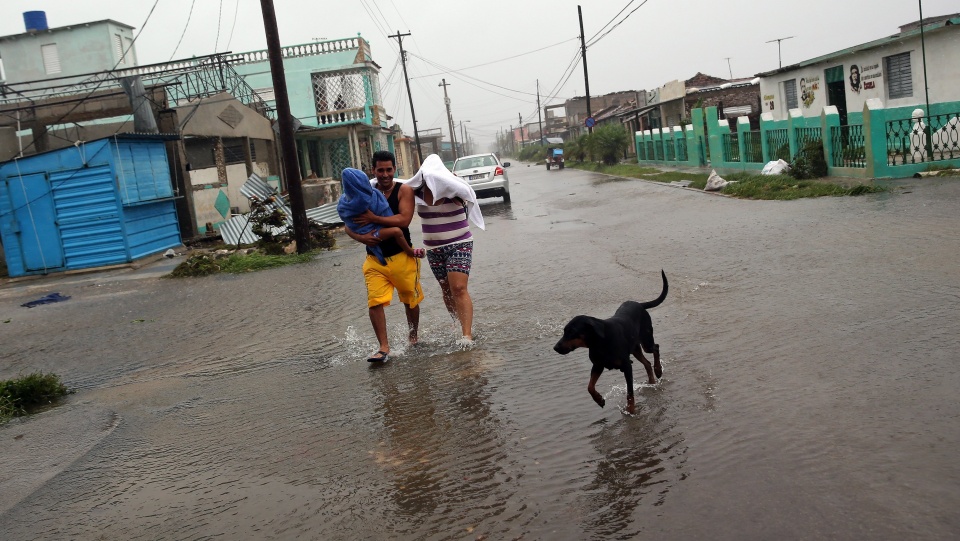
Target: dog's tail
x=663, y=294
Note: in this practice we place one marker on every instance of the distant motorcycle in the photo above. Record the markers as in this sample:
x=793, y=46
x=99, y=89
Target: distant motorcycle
x=554, y=157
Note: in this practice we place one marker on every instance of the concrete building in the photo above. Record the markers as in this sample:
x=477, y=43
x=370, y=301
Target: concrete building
x=42, y=53
x=334, y=93
x=890, y=69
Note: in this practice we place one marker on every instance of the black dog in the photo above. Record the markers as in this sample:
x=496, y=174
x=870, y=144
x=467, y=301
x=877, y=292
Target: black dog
x=611, y=341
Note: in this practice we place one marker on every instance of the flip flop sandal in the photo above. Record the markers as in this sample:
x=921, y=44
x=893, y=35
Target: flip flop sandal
x=379, y=357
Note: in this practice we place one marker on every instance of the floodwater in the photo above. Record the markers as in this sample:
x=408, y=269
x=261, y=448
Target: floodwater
x=809, y=391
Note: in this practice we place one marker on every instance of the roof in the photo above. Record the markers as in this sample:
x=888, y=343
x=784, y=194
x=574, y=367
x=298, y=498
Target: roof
x=733, y=83
x=938, y=25
x=67, y=27
x=117, y=137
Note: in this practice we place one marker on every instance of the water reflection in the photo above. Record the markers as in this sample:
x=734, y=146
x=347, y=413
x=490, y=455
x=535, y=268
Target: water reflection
x=442, y=445
x=641, y=459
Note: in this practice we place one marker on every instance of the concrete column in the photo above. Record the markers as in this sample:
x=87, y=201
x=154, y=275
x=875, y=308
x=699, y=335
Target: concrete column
x=829, y=118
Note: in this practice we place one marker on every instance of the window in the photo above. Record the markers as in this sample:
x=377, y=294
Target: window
x=233, y=151
x=51, y=58
x=899, y=76
x=790, y=93
x=118, y=48
x=129, y=49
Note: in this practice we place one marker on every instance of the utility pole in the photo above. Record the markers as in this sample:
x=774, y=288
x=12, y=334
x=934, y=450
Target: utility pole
x=778, y=40
x=586, y=78
x=521, y=130
x=513, y=142
x=539, y=118
x=463, y=138
x=728, y=67
x=403, y=60
x=453, y=133
x=285, y=124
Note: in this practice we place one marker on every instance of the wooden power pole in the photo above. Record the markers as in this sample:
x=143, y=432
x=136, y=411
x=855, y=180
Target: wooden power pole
x=403, y=60
x=453, y=131
x=285, y=123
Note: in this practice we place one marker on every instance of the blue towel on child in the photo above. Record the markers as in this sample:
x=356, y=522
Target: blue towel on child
x=358, y=196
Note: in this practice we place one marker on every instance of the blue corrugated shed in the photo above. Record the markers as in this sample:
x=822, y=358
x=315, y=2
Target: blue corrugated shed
x=98, y=203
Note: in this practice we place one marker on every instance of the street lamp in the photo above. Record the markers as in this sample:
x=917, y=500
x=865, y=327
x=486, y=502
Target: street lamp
x=463, y=136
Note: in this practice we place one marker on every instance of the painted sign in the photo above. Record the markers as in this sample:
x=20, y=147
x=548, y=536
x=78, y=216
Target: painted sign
x=808, y=88
x=768, y=101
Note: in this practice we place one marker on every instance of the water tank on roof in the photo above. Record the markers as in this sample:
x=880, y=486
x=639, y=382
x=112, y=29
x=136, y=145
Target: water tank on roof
x=35, y=20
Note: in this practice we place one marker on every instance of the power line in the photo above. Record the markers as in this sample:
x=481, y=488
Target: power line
x=216, y=43
x=502, y=59
x=612, y=19
x=440, y=66
x=236, y=9
x=614, y=27
x=184, y=33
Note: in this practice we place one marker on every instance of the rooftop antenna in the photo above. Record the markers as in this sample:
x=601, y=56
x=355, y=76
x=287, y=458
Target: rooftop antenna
x=778, y=40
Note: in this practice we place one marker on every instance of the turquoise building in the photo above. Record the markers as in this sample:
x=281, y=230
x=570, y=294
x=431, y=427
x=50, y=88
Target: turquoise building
x=334, y=92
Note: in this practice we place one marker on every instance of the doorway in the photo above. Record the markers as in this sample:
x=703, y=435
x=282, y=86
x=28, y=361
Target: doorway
x=837, y=91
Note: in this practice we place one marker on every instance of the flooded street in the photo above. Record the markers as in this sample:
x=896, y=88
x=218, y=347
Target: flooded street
x=809, y=390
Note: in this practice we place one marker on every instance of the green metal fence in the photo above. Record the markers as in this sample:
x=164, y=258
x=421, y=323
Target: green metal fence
x=848, y=146
x=778, y=143
x=658, y=148
x=671, y=150
x=651, y=155
x=731, y=147
x=753, y=146
x=682, y=149
x=928, y=139
x=806, y=135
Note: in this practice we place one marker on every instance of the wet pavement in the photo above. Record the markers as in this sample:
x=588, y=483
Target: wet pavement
x=809, y=385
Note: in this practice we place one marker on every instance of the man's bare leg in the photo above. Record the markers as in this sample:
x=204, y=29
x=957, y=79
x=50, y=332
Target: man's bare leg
x=379, y=321
x=413, y=322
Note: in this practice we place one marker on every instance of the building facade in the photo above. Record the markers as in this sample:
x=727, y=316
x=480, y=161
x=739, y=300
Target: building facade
x=890, y=69
x=41, y=54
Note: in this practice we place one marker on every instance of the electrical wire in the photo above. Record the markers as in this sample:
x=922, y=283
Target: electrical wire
x=614, y=27
x=502, y=59
x=216, y=44
x=185, y=26
x=236, y=9
x=610, y=21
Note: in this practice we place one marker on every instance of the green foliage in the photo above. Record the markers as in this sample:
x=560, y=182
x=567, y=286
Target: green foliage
x=533, y=153
x=809, y=162
x=746, y=185
x=607, y=143
x=785, y=187
x=25, y=394
x=236, y=263
x=576, y=150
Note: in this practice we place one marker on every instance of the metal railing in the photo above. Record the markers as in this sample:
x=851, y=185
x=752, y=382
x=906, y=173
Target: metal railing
x=658, y=148
x=641, y=151
x=731, y=147
x=778, y=143
x=682, y=154
x=753, y=147
x=671, y=150
x=927, y=139
x=848, y=146
x=651, y=155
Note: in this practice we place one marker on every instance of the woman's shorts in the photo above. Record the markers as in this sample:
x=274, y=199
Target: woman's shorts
x=450, y=258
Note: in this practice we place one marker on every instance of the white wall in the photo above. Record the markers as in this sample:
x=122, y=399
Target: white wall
x=943, y=75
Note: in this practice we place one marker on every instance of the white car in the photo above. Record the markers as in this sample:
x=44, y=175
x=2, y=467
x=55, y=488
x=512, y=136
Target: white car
x=486, y=174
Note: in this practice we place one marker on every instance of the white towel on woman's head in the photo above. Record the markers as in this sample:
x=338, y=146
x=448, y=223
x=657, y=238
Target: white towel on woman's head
x=444, y=184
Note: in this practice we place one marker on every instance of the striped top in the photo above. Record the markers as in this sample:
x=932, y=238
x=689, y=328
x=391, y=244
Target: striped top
x=444, y=224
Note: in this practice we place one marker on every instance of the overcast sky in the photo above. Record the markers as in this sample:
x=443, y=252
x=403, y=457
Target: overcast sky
x=662, y=40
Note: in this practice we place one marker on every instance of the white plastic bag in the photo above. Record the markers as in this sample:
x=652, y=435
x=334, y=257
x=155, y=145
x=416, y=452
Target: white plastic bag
x=715, y=182
x=778, y=167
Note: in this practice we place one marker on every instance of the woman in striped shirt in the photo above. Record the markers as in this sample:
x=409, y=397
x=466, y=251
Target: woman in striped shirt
x=444, y=204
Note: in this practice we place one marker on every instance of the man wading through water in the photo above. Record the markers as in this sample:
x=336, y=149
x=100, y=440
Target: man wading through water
x=401, y=272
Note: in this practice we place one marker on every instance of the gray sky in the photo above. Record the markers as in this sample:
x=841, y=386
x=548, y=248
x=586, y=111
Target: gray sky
x=661, y=41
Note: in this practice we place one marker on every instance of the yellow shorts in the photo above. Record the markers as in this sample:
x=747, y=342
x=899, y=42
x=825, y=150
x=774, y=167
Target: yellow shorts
x=401, y=272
